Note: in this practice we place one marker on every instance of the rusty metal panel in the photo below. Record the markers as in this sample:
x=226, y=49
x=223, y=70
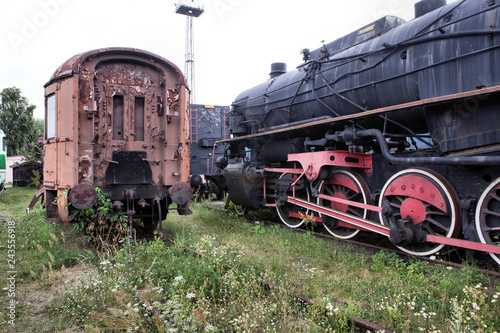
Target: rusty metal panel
x=184, y=137
x=118, y=115
x=50, y=163
x=139, y=118
x=119, y=102
x=65, y=134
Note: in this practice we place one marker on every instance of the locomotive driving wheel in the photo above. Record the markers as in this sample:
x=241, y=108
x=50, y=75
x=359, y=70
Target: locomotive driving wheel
x=348, y=186
x=285, y=209
x=428, y=200
x=488, y=217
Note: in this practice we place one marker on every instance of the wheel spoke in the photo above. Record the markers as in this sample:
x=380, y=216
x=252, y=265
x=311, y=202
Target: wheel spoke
x=395, y=205
x=336, y=188
x=490, y=229
x=329, y=190
x=490, y=212
x=437, y=224
x=354, y=195
x=408, y=192
x=494, y=195
x=487, y=214
x=353, y=211
x=400, y=198
x=436, y=213
x=285, y=209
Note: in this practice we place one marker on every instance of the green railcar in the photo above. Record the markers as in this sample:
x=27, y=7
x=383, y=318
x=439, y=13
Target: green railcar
x=3, y=161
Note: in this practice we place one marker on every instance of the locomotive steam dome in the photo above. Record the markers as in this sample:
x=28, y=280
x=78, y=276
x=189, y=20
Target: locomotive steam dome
x=425, y=6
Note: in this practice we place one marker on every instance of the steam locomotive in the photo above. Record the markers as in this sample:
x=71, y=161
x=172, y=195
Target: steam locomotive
x=390, y=129
x=118, y=119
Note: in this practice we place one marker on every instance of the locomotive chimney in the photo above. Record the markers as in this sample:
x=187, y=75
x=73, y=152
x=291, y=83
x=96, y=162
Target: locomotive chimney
x=277, y=69
x=426, y=6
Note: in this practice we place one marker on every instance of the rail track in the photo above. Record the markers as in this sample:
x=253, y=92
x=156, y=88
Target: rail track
x=488, y=272
x=360, y=325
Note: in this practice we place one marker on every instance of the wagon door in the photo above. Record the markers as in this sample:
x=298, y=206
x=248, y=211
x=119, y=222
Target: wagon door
x=60, y=162
x=130, y=128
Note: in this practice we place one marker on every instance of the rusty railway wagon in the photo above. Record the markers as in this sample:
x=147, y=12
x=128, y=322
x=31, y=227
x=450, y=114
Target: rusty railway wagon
x=117, y=119
x=391, y=129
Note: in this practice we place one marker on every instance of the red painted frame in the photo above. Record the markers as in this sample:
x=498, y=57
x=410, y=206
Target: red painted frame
x=313, y=162
x=354, y=221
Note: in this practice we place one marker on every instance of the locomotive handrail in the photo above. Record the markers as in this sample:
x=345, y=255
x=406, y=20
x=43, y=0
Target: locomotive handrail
x=437, y=160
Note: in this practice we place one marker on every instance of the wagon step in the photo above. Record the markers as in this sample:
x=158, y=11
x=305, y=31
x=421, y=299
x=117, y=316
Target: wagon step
x=35, y=199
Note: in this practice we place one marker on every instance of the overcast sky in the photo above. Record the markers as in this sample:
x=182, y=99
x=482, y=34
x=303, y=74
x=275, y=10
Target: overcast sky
x=235, y=40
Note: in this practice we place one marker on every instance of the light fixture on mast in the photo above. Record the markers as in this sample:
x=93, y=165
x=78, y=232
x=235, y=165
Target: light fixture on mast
x=190, y=9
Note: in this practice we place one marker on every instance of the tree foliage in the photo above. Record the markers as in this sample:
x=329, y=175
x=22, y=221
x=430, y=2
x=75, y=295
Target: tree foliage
x=16, y=120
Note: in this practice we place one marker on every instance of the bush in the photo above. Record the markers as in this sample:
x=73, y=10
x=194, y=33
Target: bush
x=103, y=225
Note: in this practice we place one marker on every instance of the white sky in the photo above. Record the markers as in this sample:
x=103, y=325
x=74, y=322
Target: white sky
x=235, y=40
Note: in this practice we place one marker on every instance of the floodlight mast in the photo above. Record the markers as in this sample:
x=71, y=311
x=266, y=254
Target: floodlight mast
x=190, y=9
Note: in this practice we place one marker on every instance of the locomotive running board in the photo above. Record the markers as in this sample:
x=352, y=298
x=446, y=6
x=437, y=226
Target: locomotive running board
x=386, y=231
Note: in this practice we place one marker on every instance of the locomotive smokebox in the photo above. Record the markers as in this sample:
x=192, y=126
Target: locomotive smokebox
x=277, y=69
x=426, y=6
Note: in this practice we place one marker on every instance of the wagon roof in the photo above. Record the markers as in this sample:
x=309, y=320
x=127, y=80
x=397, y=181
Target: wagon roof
x=73, y=64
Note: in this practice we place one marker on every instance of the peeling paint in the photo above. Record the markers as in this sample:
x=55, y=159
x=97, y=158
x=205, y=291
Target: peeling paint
x=101, y=130
x=85, y=169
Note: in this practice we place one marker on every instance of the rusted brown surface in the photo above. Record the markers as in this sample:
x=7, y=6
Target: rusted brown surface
x=82, y=196
x=181, y=193
x=91, y=125
x=74, y=63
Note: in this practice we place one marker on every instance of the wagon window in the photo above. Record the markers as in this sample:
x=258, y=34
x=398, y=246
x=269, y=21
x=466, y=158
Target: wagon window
x=139, y=119
x=50, y=123
x=117, y=117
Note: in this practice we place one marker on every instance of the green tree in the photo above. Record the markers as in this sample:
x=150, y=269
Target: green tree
x=16, y=120
x=39, y=128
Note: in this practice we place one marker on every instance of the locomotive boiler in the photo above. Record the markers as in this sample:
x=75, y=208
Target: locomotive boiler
x=391, y=129
x=117, y=119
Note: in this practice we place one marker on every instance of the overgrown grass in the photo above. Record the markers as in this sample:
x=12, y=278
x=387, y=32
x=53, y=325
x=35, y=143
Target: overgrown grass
x=405, y=296
x=38, y=256
x=159, y=287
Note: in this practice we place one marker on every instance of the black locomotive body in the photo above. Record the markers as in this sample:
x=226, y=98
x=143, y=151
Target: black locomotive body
x=208, y=125
x=390, y=129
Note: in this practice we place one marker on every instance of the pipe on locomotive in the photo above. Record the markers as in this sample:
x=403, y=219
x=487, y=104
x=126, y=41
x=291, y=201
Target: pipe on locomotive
x=350, y=136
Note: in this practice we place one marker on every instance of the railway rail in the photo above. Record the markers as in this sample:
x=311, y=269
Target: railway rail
x=360, y=325
x=487, y=272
